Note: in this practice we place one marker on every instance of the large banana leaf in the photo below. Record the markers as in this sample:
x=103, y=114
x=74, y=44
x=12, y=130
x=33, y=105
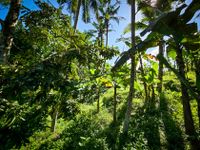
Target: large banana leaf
x=162, y=23
x=142, y=46
x=172, y=23
x=190, y=11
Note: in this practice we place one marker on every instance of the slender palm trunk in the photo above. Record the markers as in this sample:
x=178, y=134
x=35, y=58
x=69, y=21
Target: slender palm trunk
x=115, y=103
x=153, y=95
x=54, y=118
x=77, y=14
x=197, y=71
x=107, y=28
x=188, y=120
x=102, y=39
x=98, y=100
x=8, y=28
x=144, y=83
x=132, y=76
x=160, y=70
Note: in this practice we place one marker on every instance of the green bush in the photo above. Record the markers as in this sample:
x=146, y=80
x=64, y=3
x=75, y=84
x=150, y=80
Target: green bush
x=85, y=132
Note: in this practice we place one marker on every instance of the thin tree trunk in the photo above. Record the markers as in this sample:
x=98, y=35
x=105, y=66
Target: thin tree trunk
x=153, y=94
x=107, y=27
x=102, y=40
x=115, y=103
x=77, y=14
x=132, y=76
x=198, y=107
x=54, y=120
x=8, y=28
x=197, y=71
x=160, y=70
x=144, y=83
x=188, y=120
x=98, y=100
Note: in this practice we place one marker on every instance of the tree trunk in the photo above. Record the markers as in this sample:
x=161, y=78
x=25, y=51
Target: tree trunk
x=8, y=28
x=198, y=107
x=77, y=14
x=144, y=83
x=132, y=76
x=101, y=37
x=107, y=27
x=152, y=95
x=54, y=118
x=160, y=70
x=115, y=103
x=98, y=100
x=188, y=120
x=197, y=71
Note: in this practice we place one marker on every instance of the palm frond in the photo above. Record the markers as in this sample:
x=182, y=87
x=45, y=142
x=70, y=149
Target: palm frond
x=85, y=13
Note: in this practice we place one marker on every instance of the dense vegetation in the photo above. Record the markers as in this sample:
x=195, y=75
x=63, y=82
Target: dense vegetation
x=58, y=90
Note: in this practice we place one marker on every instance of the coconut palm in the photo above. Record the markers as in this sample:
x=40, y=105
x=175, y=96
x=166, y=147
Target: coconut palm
x=108, y=12
x=74, y=7
x=133, y=74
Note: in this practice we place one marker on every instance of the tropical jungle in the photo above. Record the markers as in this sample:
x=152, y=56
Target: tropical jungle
x=99, y=75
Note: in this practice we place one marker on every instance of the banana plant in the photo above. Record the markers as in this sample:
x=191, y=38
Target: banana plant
x=172, y=23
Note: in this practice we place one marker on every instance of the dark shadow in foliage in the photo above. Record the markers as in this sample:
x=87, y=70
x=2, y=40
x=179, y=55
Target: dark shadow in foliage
x=123, y=139
x=144, y=124
x=172, y=131
x=18, y=133
x=151, y=124
x=113, y=131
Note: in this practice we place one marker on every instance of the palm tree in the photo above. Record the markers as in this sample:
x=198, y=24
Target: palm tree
x=133, y=74
x=99, y=30
x=108, y=12
x=8, y=26
x=74, y=6
x=180, y=72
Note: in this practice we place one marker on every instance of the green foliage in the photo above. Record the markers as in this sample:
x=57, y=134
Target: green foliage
x=19, y=122
x=44, y=140
x=52, y=69
x=141, y=46
x=84, y=132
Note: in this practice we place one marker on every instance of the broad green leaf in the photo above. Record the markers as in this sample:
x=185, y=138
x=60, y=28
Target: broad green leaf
x=142, y=46
x=155, y=67
x=172, y=54
x=160, y=25
x=137, y=86
x=92, y=71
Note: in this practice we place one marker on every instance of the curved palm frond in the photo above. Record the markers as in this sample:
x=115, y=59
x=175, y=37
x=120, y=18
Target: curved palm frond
x=85, y=12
